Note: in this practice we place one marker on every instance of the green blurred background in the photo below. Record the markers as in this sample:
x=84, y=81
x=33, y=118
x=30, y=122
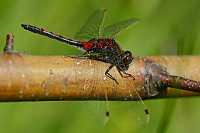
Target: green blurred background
x=167, y=26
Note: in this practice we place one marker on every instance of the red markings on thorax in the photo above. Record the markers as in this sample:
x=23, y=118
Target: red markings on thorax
x=88, y=45
x=100, y=43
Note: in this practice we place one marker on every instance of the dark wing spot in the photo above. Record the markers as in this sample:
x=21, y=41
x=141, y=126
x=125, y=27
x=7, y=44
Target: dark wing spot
x=146, y=111
x=107, y=113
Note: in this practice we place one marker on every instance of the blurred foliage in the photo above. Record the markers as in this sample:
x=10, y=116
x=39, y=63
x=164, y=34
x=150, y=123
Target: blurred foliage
x=167, y=26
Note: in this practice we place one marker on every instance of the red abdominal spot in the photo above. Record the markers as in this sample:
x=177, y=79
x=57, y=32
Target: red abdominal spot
x=46, y=31
x=62, y=37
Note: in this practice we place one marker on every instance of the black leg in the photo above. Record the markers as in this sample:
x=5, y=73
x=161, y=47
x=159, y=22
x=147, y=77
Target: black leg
x=94, y=57
x=109, y=75
x=85, y=53
x=127, y=74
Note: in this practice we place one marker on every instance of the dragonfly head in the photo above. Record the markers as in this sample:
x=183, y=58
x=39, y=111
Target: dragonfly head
x=128, y=59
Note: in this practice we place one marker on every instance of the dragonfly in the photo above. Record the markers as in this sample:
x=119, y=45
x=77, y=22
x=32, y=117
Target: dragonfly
x=100, y=45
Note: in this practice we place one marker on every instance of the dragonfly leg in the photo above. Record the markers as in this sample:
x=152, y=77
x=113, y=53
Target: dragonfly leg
x=120, y=73
x=127, y=74
x=109, y=75
x=85, y=53
x=80, y=55
x=95, y=57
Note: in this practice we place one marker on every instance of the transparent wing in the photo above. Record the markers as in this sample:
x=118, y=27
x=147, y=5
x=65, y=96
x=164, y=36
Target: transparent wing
x=93, y=27
x=116, y=30
x=135, y=108
x=98, y=110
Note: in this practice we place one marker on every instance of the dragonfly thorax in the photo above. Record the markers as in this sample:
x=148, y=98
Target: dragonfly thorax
x=108, y=50
x=98, y=43
x=102, y=46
